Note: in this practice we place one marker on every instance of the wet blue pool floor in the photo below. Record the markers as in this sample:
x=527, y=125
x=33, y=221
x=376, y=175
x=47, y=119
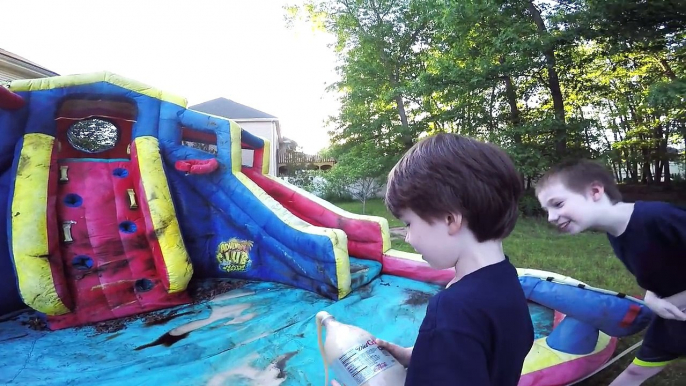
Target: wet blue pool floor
x=261, y=334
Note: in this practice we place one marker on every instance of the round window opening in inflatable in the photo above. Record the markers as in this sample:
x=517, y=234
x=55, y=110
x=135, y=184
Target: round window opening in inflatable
x=93, y=135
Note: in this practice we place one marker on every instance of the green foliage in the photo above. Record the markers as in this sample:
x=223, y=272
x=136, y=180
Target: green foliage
x=529, y=205
x=304, y=179
x=359, y=174
x=544, y=80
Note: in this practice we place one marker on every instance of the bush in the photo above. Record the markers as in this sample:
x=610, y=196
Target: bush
x=529, y=205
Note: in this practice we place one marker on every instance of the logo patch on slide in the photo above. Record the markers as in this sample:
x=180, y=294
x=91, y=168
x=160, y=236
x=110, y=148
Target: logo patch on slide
x=233, y=255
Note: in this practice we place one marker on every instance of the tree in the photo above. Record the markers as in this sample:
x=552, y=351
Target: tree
x=545, y=80
x=361, y=173
x=378, y=45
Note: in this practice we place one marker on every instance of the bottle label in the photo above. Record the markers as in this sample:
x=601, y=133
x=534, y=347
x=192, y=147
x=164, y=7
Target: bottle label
x=361, y=363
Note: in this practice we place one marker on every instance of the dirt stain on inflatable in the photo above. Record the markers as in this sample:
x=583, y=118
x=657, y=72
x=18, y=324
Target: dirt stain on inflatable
x=281, y=364
x=13, y=338
x=166, y=340
x=113, y=336
x=416, y=298
x=167, y=318
x=358, y=274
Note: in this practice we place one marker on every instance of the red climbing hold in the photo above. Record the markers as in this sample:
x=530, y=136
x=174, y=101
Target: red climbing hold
x=10, y=100
x=197, y=166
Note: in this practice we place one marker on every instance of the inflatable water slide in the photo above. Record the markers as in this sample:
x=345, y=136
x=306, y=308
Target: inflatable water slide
x=112, y=216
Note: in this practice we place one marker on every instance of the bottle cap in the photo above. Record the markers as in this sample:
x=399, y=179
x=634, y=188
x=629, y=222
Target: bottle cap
x=323, y=315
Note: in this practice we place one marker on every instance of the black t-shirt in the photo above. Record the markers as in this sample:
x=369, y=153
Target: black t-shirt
x=476, y=332
x=653, y=247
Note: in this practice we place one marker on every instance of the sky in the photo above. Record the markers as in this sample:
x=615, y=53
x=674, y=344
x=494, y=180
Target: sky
x=200, y=49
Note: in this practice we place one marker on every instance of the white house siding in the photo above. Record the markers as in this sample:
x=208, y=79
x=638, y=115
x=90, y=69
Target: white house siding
x=265, y=130
x=13, y=67
x=5, y=76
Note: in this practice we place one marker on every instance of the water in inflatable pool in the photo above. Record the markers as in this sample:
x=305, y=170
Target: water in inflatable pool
x=259, y=334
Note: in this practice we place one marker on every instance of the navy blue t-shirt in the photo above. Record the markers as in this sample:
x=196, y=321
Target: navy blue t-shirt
x=477, y=332
x=653, y=247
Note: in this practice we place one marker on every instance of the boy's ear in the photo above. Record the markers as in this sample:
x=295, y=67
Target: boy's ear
x=597, y=190
x=454, y=222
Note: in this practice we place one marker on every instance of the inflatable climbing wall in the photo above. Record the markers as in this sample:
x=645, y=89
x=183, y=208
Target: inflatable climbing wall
x=93, y=233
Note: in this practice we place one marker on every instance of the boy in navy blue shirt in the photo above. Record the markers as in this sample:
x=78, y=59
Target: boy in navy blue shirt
x=459, y=199
x=648, y=237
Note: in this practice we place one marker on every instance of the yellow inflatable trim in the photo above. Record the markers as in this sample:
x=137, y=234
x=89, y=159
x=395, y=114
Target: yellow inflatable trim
x=236, y=147
x=265, y=156
x=103, y=76
x=416, y=257
x=339, y=240
x=162, y=214
x=30, y=229
x=542, y=356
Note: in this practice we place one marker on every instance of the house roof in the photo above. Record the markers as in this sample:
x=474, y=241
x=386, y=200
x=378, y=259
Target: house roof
x=16, y=57
x=229, y=109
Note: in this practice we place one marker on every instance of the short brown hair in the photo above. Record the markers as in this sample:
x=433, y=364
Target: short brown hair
x=578, y=174
x=449, y=173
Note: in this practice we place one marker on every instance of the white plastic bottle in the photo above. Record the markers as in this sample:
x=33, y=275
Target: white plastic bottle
x=355, y=357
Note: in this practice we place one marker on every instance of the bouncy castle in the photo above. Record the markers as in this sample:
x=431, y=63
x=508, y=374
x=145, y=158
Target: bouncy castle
x=111, y=212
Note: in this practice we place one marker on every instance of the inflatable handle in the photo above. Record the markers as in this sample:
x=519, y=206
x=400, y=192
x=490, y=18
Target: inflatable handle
x=197, y=166
x=10, y=100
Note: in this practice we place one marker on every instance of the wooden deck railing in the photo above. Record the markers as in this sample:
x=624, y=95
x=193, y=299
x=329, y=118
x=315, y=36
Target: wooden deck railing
x=300, y=158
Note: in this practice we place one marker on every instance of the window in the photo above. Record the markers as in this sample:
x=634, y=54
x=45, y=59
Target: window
x=93, y=135
x=199, y=140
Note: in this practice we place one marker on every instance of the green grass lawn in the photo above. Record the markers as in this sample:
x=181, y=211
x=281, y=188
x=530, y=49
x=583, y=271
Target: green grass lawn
x=587, y=257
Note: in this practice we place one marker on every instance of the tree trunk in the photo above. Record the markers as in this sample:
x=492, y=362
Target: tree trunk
x=667, y=69
x=406, y=137
x=553, y=84
x=660, y=152
x=666, y=158
x=646, y=173
x=491, y=121
x=515, y=115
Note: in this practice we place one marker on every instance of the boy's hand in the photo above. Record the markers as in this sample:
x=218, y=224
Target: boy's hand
x=401, y=354
x=663, y=307
x=678, y=300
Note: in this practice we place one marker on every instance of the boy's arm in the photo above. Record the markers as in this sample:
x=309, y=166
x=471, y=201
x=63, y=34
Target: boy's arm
x=679, y=300
x=448, y=358
x=665, y=308
x=670, y=227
